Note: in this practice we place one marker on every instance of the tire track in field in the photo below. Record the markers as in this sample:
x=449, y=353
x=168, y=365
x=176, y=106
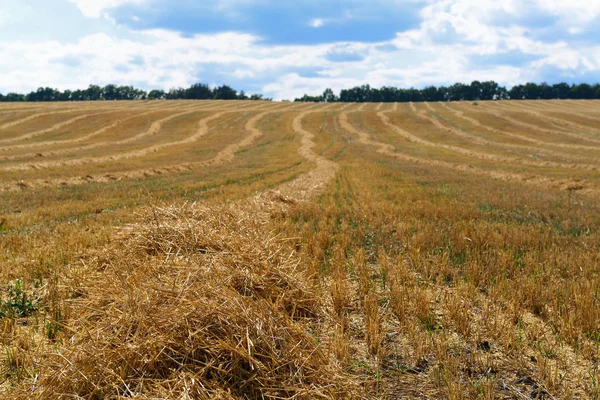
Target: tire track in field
x=484, y=142
x=153, y=130
x=306, y=185
x=475, y=122
x=534, y=111
x=538, y=128
x=229, y=152
x=345, y=106
x=535, y=128
x=389, y=150
x=473, y=153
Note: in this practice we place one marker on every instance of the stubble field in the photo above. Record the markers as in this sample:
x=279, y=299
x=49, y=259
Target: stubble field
x=246, y=249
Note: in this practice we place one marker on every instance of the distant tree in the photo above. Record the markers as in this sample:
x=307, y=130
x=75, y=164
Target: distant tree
x=66, y=95
x=156, y=95
x=431, y=93
x=531, y=91
x=459, y=91
x=516, y=92
x=242, y=96
x=560, y=90
x=310, y=99
x=225, y=92
x=93, y=92
x=257, y=96
x=388, y=94
x=110, y=92
x=328, y=96
x=176, y=93
x=489, y=90
x=43, y=94
x=545, y=91
x=198, y=91
x=474, y=91
x=14, y=97
x=582, y=91
x=501, y=93
x=597, y=91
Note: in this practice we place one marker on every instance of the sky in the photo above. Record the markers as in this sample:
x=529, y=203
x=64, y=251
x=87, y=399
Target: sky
x=286, y=48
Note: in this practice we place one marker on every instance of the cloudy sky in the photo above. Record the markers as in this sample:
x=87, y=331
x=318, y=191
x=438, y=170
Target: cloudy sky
x=285, y=48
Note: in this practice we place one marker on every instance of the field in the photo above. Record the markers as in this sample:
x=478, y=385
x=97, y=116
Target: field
x=249, y=249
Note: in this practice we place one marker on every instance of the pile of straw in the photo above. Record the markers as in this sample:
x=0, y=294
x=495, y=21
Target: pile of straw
x=198, y=302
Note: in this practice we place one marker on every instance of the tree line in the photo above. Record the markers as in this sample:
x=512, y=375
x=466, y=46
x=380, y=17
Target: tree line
x=477, y=90
x=198, y=91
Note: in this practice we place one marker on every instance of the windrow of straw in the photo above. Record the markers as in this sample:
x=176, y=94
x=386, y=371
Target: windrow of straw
x=197, y=302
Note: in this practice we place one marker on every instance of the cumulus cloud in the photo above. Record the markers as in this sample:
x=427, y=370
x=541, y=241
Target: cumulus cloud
x=317, y=23
x=95, y=8
x=447, y=46
x=3, y=17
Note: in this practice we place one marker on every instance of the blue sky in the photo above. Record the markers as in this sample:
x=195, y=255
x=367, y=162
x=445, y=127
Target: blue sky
x=287, y=48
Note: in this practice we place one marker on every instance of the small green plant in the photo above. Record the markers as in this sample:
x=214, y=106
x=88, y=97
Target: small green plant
x=3, y=225
x=429, y=323
x=15, y=371
x=18, y=303
x=52, y=330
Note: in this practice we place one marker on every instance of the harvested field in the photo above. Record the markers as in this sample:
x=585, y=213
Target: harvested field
x=249, y=249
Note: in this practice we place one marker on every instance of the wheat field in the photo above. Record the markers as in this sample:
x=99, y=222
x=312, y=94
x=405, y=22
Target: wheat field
x=250, y=249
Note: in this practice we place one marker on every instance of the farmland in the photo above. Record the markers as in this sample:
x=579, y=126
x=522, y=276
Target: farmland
x=250, y=249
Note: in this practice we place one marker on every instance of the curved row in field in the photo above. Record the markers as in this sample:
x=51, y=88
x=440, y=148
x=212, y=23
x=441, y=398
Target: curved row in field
x=175, y=139
x=560, y=123
x=540, y=123
x=533, y=129
x=471, y=129
x=97, y=141
x=222, y=156
x=439, y=142
x=483, y=142
x=391, y=151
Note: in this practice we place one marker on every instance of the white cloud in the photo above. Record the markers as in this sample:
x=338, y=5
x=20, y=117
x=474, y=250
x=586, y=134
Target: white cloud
x=95, y=8
x=317, y=23
x=3, y=17
x=577, y=11
x=441, y=50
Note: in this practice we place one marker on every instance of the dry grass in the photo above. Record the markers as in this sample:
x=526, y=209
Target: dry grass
x=240, y=250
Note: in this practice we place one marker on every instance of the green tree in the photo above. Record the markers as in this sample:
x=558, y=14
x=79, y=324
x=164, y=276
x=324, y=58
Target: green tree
x=582, y=91
x=198, y=91
x=224, y=92
x=110, y=92
x=561, y=90
x=516, y=92
x=156, y=95
x=489, y=91
x=328, y=96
